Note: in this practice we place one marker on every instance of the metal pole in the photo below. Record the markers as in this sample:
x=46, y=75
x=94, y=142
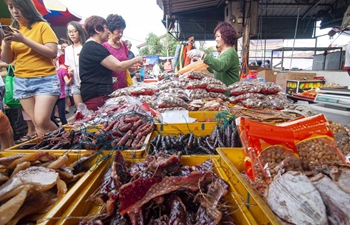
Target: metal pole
x=167, y=41
x=295, y=35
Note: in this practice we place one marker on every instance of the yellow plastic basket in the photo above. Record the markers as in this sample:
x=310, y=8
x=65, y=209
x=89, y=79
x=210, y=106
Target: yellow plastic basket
x=232, y=160
x=82, y=208
x=91, y=167
x=129, y=153
x=203, y=116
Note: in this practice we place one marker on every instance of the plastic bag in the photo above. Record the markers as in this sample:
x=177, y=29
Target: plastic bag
x=246, y=72
x=82, y=112
x=170, y=101
x=9, y=89
x=270, y=147
x=196, y=66
x=315, y=142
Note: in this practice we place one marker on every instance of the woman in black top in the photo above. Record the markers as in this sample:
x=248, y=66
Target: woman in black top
x=97, y=64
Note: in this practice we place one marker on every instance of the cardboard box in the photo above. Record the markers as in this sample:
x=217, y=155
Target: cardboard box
x=268, y=75
x=299, y=86
x=282, y=77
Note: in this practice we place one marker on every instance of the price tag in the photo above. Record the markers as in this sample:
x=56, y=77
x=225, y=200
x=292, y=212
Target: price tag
x=344, y=101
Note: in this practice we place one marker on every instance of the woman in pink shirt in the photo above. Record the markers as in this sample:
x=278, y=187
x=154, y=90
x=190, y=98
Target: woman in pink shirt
x=117, y=47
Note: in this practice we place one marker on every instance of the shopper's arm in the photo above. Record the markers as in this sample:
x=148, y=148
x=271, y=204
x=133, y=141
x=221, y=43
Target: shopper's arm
x=6, y=52
x=114, y=64
x=48, y=49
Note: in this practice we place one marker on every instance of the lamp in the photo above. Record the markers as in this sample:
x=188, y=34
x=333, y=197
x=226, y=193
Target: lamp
x=233, y=19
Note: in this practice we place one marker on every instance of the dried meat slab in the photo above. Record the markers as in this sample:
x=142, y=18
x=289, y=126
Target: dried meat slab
x=336, y=200
x=294, y=199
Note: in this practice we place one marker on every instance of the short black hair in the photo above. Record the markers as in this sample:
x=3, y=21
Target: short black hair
x=114, y=22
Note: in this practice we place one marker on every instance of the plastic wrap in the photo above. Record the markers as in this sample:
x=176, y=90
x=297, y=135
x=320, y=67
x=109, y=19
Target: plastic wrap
x=270, y=148
x=143, y=90
x=196, y=84
x=270, y=88
x=170, y=101
x=220, y=88
x=315, y=142
x=212, y=80
x=239, y=88
x=198, y=94
x=169, y=84
x=217, y=95
x=120, y=92
x=116, y=100
x=195, y=75
x=178, y=94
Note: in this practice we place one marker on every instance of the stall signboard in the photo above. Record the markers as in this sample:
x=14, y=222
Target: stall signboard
x=299, y=86
x=282, y=77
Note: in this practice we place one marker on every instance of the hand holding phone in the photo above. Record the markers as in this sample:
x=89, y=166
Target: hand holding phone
x=7, y=29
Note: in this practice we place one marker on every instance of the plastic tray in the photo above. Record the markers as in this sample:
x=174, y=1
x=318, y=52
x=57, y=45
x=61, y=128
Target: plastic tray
x=91, y=166
x=196, y=127
x=130, y=153
x=82, y=208
x=232, y=161
x=182, y=128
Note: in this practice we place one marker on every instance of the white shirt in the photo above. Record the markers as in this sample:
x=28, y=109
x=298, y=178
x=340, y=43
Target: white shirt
x=72, y=60
x=156, y=70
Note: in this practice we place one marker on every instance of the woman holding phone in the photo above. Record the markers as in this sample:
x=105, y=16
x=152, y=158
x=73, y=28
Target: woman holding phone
x=33, y=45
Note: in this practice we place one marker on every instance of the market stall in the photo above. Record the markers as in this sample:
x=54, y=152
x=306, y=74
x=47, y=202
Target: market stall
x=185, y=148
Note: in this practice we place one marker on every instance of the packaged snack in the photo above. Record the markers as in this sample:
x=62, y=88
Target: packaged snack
x=142, y=90
x=220, y=88
x=198, y=94
x=269, y=146
x=195, y=75
x=315, y=142
x=170, y=101
x=196, y=84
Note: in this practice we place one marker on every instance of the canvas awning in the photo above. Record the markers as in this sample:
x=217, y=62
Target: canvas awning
x=53, y=11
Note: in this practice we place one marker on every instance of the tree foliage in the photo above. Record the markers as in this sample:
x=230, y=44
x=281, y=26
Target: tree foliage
x=157, y=46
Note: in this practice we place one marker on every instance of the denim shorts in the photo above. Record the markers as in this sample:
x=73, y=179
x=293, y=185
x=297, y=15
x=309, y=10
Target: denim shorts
x=67, y=90
x=29, y=87
x=75, y=90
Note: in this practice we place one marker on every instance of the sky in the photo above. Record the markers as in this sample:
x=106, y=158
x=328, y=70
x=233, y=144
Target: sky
x=141, y=16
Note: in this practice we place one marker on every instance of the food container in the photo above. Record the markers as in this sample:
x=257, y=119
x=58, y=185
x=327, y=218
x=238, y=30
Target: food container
x=129, y=153
x=196, y=127
x=91, y=166
x=232, y=162
x=80, y=207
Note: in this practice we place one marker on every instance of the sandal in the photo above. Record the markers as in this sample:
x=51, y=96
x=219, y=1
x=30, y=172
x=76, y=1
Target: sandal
x=24, y=139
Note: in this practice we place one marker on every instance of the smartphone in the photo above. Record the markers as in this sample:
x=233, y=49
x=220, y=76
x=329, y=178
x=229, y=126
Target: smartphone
x=7, y=29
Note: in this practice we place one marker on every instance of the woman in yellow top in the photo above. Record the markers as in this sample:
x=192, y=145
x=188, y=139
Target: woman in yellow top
x=33, y=45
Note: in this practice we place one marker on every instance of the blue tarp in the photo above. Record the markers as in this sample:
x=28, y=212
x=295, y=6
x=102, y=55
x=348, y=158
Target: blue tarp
x=152, y=59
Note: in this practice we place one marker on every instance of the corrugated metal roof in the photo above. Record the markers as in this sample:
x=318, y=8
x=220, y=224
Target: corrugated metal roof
x=276, y=18
x=178, y=6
